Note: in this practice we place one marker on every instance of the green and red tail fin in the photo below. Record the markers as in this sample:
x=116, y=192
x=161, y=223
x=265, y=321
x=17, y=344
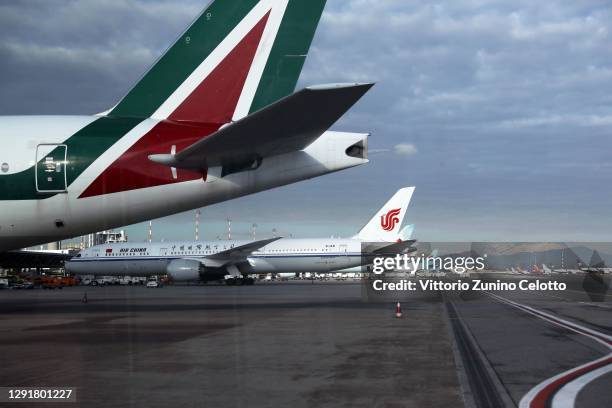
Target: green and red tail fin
x=237, y=57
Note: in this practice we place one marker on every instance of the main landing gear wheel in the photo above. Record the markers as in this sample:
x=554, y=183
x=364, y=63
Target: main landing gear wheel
x=239, y=281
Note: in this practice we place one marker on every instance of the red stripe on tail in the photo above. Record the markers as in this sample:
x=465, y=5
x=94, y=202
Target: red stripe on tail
x=215, y=99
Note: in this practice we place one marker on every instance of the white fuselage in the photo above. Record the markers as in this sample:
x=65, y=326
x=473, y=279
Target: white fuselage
x=284, y=255
x=31, y=221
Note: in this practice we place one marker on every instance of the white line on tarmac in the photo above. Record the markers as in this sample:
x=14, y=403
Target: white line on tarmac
x=566, y=396
x=564, y=387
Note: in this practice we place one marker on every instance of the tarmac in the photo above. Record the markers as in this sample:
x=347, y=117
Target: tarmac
x=306, y=344
x=267, y=345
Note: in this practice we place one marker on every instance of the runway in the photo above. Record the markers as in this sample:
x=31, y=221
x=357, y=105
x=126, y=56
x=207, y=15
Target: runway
x=308, y=344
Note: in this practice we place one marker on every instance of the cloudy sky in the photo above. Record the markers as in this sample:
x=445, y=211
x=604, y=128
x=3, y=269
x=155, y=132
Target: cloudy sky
x=499, y=112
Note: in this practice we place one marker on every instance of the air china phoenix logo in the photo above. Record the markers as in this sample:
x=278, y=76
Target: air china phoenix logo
x=390, y=219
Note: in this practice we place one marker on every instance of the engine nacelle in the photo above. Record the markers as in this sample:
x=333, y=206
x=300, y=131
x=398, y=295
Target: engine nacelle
x=184, y=270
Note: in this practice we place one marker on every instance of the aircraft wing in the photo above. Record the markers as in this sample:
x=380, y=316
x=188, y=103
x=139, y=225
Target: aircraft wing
x=289, y=124
x=33, y=259
x=241, y=252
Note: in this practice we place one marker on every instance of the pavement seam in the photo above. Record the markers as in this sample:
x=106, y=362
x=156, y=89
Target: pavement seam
x=503, y=397
x=466, y=390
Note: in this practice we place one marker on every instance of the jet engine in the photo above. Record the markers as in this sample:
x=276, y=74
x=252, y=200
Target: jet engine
x=184, y=270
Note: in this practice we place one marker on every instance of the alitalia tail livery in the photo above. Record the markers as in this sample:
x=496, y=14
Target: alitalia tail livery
x=213, y=119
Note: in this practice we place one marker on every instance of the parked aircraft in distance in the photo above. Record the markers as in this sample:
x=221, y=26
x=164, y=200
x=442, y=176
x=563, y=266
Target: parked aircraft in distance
x=215, y=118
x=214, y=260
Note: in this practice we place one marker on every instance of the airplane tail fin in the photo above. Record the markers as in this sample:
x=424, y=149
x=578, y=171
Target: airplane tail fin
x=386, y=223
x=236, y=58
x=596, y=261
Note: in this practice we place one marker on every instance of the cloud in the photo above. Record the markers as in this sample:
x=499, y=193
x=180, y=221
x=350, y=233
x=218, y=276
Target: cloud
x=504, y=99
x=569, y=119
x=405, y=149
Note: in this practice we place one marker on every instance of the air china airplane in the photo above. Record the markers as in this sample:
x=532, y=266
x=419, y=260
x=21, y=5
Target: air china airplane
x=214, y=118
x=205, y=261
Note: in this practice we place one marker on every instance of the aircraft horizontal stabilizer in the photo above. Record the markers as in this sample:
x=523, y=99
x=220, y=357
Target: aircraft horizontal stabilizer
x=241, y=252
x=287, y=125
x=395, y=248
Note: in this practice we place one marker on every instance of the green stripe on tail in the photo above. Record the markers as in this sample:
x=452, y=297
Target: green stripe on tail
x=289, y=52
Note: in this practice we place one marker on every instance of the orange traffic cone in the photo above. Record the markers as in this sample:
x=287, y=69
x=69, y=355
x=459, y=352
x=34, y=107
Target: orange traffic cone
x=398, y=310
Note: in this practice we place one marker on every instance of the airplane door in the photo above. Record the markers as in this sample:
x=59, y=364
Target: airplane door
x=51, y=168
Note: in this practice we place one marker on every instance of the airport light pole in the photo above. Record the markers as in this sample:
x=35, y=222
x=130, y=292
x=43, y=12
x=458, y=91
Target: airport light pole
x=197, y=225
